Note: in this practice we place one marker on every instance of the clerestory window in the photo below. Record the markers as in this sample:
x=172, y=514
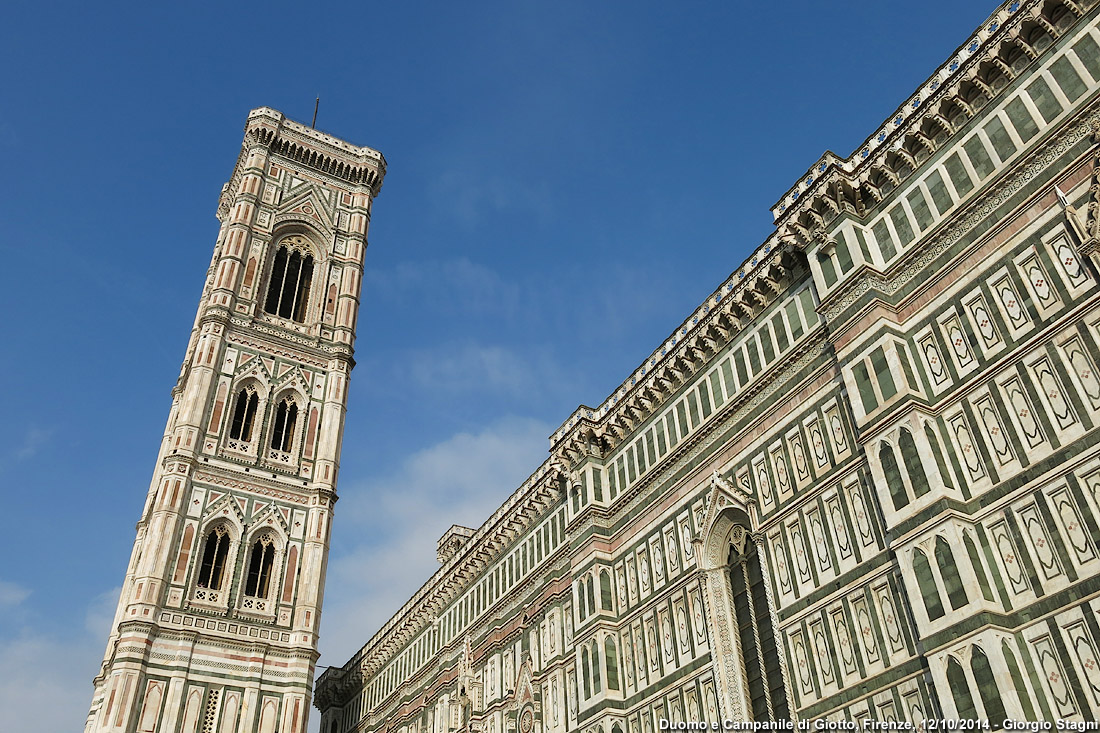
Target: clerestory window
x=282, y=433
x=213, y=558
x=258, y=581
x=244, y=414
x=291, y=276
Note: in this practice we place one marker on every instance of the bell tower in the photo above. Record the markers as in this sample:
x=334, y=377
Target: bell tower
x=217, y=625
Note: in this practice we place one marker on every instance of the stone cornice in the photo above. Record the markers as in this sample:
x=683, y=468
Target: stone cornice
x=961, y=222
x=728, y=310
x=918, y=120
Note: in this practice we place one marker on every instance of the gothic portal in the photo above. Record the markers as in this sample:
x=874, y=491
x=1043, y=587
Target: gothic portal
x=216, y=627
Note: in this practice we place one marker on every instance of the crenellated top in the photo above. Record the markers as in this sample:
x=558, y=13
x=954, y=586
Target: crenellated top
x=322, y=153
x=1008, y=40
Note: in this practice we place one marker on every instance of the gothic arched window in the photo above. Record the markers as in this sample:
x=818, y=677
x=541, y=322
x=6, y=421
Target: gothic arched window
x=291, y=276
x=611, y=658
x=605, y=590
x=945, y=559
x=214, y=555
x=933, y=604
x=244, y=414
x=286, y=416
x=759, y=653
x=960, y=690
x=913, y=465
x=258, y=581
x=987, y=686
x=892, y=473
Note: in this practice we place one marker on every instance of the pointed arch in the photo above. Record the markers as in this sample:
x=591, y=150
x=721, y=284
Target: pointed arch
x=756, y=630
x=933, y=604
x=987, y=685
x=284, y=422
x=214, y=558
x=260, y=565
x=605, y=590
x=979, y=569
x=243, y=418
x=1018, y=681
x=937, y=452
x=585, y=666
x=611, y=659
x=960, y=690
x=913, y=466
x=291, y=279
x=952, y=582
x=597, y=687
x=892, y=474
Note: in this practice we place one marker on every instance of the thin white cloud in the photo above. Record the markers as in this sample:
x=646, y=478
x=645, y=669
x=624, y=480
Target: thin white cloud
x=461, y=480
x=46, y=686
x=459, y=283
x=12, y=594
x=470, y=199
x=33, y=440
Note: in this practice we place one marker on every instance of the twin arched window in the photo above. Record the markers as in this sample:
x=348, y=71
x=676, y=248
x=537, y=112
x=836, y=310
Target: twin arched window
x=243, y=420
x=212, y=570
x=291, y=277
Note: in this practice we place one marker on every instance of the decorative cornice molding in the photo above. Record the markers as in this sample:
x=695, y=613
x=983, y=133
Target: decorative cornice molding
x=978, y=211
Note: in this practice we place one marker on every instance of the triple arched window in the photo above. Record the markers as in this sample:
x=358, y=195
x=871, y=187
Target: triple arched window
x=291, y=277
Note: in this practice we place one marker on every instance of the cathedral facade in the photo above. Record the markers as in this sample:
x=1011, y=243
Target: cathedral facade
x=217, y=624
x=861, y=481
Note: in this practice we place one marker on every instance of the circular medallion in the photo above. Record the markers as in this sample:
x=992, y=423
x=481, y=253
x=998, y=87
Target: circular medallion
x=526, y=721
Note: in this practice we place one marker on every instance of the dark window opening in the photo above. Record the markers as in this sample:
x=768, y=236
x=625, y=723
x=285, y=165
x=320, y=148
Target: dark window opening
x=258, y=581
x=760, y=653
x=291, y=276
x=282, y=434
x=213, y=559
x=244, y=415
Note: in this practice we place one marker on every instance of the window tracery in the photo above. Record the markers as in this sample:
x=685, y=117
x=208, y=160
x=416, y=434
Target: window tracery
x=215, y=553
x=752, y=612
x=291, y=279
x=286, y=418
x=244, y=414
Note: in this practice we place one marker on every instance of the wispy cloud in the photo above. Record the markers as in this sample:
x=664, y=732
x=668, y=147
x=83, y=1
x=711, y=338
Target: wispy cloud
x=33, y=439
x=11, y=594
x=471, y=198
x=25, y=447
x=399, y=517
x=462, y=285
x=47, y=681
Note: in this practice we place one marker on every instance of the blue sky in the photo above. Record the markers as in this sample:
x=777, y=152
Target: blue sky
x=566, y=182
